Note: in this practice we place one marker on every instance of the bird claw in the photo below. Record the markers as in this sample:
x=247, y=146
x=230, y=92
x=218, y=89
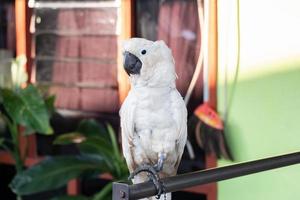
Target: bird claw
x=144, y=168
x=158, y=185
x=153, y=176
x=160, y=189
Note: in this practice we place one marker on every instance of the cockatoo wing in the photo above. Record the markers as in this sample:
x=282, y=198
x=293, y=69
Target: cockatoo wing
x=127, y=129
x=180, y=117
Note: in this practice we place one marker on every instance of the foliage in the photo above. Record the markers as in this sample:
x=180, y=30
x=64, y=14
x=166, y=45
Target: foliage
x=27, y=108
x=23, y=109
x=99, y=153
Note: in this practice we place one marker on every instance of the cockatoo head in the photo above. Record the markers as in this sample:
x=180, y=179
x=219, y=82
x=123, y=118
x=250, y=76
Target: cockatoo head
x=149, y=63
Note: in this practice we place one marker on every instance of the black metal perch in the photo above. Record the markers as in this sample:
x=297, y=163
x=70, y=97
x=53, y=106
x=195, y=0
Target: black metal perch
x=123, y=191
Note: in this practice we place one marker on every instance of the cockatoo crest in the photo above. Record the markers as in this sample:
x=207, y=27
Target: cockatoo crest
x=157, y=63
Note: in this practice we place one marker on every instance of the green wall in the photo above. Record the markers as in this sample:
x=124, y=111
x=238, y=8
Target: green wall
x=264, y=118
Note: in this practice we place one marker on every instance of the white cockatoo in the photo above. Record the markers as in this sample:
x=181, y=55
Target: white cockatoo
x=153, y=116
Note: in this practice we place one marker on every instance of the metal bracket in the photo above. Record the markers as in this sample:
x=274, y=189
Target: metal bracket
x=121, y=191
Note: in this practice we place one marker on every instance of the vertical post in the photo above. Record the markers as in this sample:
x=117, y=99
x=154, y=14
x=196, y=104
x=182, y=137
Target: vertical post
x=126, y=24
x=20, y=12
x=23, y=38
x=212, y=52
x=23, y=47
x=212, y=78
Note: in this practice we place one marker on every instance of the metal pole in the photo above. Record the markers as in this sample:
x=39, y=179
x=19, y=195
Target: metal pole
x=123, y=191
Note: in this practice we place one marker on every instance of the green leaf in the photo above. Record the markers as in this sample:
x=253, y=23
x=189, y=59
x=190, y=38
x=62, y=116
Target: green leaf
x=115, y=149
x=26, y=107
x=114, y=142
x=124, y=172
x=86, y=129
x=105, y=193
x=1, y=141
x=69, y=138
x=49, y=101
x=55, y=172
x=100, y=146
x=71, y=198
x=92, y=145
x=96, y=145
x=90, y=127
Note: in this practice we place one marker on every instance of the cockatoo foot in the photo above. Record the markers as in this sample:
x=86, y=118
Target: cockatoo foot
x=158, y=185
x=153, y=176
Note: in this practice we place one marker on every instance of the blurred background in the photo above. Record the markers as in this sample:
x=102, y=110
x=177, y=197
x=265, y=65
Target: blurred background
x=71, y=52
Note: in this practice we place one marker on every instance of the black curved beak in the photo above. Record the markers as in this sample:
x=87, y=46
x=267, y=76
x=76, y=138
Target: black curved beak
x=131, y=63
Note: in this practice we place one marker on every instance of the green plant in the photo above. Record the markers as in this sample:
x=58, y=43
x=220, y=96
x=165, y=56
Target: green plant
x=23, y=111
x=99, y=153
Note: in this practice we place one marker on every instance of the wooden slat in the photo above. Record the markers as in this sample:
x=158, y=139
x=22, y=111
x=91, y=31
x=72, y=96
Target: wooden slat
x=32, y=147
x=23, y=47
x=212, y=82
x=20, y=11
x=73, y=187
x=86, y=99
x=23, y=39
x=211, y=162
x=212, y=52
x=127, y=30
x=6, y=158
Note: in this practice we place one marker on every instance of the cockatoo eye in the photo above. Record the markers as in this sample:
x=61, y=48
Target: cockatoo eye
x=143, y=52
